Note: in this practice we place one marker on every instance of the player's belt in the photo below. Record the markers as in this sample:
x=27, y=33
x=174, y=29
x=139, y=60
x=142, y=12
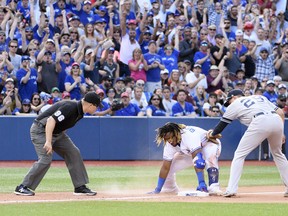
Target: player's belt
x=264, y=113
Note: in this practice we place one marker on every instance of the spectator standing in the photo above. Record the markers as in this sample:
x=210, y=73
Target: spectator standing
x=281, y=66
x=154, y=67
x=108, y=65
x=49, y=69
x=75, y=83
x=27, y=79
x=203, y=57
x=264, y=65
x=187, y=48
x=219, y=50
x=128, y=44
x=15, y=59
x=138, y=65
x=110, y=92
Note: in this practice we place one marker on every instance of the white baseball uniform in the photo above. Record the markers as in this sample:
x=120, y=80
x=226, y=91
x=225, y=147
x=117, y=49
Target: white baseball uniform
x=192, y=138
x=259, y=115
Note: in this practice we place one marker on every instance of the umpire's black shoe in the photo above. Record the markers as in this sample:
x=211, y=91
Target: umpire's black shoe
x=23, y=191
x=83, y=190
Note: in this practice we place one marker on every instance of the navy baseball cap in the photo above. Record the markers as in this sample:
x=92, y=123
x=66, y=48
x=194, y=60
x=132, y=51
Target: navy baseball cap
x=120, y=79
x=102, y=8
x=25, y=57
x=232, y=93
x=26, y=101
x=29, y=28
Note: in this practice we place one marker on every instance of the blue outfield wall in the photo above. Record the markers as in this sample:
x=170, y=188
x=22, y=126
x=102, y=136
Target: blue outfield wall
x=113, y=138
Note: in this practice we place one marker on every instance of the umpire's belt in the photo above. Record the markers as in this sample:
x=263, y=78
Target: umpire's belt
x=264, y=113
x=39, y=123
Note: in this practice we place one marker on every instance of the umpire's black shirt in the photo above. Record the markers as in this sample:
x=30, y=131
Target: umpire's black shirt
x=65, y=113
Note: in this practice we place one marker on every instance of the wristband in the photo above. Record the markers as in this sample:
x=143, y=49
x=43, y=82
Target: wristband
x=160, y=184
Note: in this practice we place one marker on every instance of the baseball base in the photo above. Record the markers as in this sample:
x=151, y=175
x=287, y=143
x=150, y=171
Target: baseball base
x=193, y=193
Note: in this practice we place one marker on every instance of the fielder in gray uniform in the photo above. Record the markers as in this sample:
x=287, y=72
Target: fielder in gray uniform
x=48, y=134
x=264, y=121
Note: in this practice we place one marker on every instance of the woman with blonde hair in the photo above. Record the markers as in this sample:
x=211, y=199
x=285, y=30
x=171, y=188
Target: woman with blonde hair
x=138, y=65
x=183, y=70
x=174, y=81
x=75, y=82
x=32, y=49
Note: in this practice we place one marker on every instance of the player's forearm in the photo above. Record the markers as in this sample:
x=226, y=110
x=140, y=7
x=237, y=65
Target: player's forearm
x=219, y=128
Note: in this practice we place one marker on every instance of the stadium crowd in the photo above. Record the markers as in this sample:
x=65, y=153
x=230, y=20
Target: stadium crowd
x=144, y=57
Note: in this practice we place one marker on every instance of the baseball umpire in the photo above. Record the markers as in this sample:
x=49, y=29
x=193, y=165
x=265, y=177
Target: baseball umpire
x=264, y=120
x=48, y=135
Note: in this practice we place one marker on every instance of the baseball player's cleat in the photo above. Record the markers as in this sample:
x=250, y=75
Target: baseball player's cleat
x=174, y=190
x=23, y=191
x=83, y=190
x=286, y=193
x=228, y=194
x=214, y=190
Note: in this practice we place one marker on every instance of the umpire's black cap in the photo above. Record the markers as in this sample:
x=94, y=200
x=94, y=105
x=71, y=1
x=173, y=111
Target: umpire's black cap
x=232, y=93
x=93, y=98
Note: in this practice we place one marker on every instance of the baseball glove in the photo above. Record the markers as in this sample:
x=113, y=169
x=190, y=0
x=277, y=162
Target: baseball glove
x=213, y=138
x=116, y=105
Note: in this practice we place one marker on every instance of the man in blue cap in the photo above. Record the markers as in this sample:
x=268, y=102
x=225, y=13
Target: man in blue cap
x=27, y=78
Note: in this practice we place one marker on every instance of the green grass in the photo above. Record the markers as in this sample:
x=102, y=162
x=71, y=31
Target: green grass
x=143, y=178
x=143, y=209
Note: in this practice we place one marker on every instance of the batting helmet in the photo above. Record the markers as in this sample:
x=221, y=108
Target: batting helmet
x=232, y=93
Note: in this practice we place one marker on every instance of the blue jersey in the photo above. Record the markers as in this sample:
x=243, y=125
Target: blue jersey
x=73, y=9
x=24, y=11
x=75, y=93
x=57, y=10
x=130, y=110
x=66, y=68
x=177, y=109
x=155, y=111
x=272, y=97
x=170, y=62
x=86, y=18
x=144, y=47
x=206, y=64
x=153, y=74
x=40, y=38
x=26, y=90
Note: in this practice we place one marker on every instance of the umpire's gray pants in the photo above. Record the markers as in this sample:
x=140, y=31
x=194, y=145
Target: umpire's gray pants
x=65, y=148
